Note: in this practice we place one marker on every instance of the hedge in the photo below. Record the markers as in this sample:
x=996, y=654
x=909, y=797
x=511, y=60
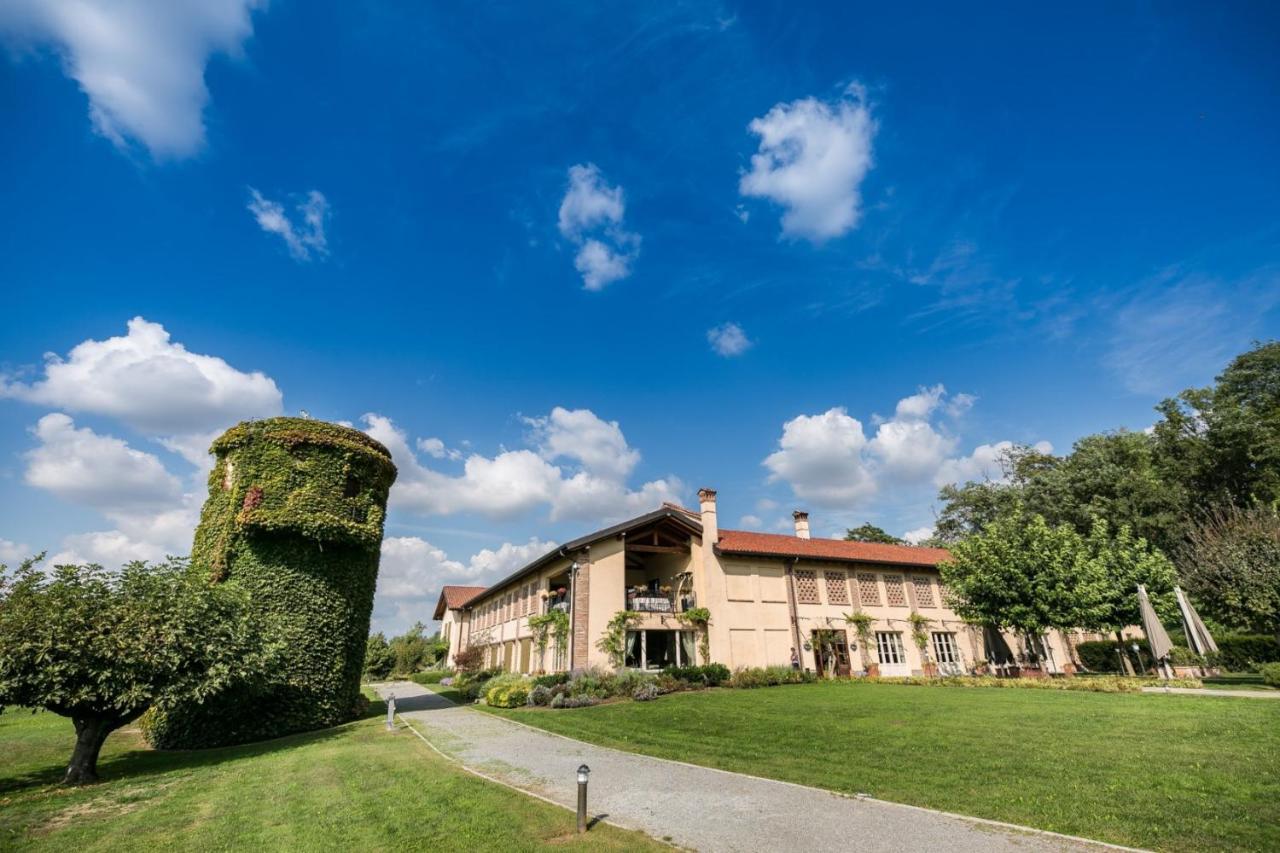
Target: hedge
x=1244, y=652
x=430, y=676
x=1088, y=685
x=294, y=515
x=1100, y=655
x=1270, y=674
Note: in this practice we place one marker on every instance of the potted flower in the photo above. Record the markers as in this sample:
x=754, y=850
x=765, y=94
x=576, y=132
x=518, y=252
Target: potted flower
x=546, y=593
x=665, y=589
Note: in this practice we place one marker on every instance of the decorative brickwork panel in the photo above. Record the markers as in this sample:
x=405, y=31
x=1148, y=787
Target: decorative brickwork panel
x=806, y=587
x=868, y=589
x=837, y=588
x=895, y=593
x=581, y=607
x=924, y=591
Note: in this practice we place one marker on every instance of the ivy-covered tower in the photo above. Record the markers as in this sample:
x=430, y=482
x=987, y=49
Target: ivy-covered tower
x=294, y=515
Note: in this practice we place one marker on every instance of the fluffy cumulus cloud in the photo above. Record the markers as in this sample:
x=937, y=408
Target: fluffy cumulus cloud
x=140, y=63
x=150, y=383
x=577, y=467
x=986, y=462
x=728, y=340
x=413, y=571
x=154, y=386
x=303, y=235
x=97, y=471
x=591, y=217
x=828, y=460
x=12, y=553
x=812, y=158
x=918, y=535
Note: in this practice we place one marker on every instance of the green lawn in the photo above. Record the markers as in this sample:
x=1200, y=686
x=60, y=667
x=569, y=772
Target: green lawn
x=353, y=787
x=1236, y=681
x=1168, y=772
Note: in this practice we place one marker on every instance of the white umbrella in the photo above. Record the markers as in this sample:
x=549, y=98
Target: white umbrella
x=1157, y=638
x=1198, y=636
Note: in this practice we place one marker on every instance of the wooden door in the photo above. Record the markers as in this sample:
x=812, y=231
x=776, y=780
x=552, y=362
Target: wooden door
x=842, y=654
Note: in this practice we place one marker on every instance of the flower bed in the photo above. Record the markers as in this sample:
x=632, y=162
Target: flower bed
x=1102, y=684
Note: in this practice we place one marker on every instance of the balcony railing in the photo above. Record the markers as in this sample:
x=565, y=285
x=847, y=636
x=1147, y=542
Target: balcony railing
x=656, y=602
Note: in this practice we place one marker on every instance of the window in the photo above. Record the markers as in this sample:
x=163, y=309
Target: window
x=924, y=591
x=895, y=594
x=889, y=647
x=868, y=589
x=837, y=588
x=659, y=649
x=944, y=647
x=806, y=586
x=351, y=488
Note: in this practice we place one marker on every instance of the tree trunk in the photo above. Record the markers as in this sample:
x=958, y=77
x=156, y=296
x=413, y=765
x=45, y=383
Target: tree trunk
x=91, y=733
x=1124, y=655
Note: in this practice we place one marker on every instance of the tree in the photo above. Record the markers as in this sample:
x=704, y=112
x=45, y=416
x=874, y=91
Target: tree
x=102, y=648
x=378, y=657
x=1231, y=564
x=968, y=509
x=870, y=533
x=1022, y=574
x=411, y=650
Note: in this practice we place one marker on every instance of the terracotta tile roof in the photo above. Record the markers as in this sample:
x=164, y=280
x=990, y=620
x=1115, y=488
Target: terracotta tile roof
x=774, y=544
x=453, y=597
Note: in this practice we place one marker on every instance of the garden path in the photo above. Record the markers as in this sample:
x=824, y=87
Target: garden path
x=696, y=807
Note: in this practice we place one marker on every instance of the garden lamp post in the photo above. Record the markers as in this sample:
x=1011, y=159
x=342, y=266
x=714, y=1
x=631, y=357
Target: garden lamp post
x=1138, y=654
x=583, y=772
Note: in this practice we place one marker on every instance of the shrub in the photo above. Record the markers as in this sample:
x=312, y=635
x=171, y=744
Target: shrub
x=574, y=701
x=645, y=693
x=1101, y=655
x=626, y=683
x=469, y=659
x=507, y=691
x=378, y=658
x=431, y=676
x=1243, y=652
x=1106, y=684
x=470, y=685
x=716, y=674
x=551, y=679
x=769, y=676
x=540, y=696
x=1270, y=674
x=670, y=684
x=711, y=675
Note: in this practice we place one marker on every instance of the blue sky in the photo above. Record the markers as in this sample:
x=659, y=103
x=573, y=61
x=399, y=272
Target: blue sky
x=570, y=262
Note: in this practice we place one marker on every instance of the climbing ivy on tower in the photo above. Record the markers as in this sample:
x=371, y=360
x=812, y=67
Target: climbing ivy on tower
x=294, y=515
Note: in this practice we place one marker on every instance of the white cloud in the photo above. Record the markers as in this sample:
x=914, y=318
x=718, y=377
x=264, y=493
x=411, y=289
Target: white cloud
x=821, y=457
x=828, y=460
x=750, y=522
x=150, y=383
x=518, y=481
x=12, y=553
x=812, y=159
x=413, y=571
x=728, y=340
x=97, y=471
x=303, y=238
x=591, y=215
x=600, y=265
x=436, y=448
x=985, y=463
x=140, y=63
x=915, y=537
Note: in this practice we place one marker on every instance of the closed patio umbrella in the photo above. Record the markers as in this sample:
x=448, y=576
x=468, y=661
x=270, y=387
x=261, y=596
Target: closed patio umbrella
x=1198, y=636
x=998, y=652
x=1157, y=638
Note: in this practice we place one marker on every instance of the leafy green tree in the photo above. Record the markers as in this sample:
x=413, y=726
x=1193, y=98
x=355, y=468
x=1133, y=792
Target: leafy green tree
x=1123, y=561
x=378, y=657
x=412, y=650
x=969, y=508
x=102, y=647
x=1223, y=441
x=1231, y=563
x=870, y=533
x=1024, y=575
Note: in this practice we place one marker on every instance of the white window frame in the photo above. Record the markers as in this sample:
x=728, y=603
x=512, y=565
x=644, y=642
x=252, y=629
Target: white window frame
x=644, y=648
x=889, y=645
x=945, y=648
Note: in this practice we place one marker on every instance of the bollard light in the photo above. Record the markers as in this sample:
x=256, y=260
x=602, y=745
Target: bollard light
x=583, y=772
x=391, y=712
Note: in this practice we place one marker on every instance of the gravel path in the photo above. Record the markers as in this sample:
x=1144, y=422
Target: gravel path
x=697, y=807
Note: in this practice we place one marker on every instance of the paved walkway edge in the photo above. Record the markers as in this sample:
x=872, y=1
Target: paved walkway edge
x=981, y=821
x=504, y=783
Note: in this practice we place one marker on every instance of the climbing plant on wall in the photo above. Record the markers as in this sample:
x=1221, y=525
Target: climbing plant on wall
x=614, y=640
x=553, y=625
x=700, y=619
x=294, y=516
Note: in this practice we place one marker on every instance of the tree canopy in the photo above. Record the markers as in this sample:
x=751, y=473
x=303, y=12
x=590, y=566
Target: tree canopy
x=104, y=647
x=868, y=532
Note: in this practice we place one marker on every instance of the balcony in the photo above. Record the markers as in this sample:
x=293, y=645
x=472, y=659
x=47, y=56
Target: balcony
x=658, y=601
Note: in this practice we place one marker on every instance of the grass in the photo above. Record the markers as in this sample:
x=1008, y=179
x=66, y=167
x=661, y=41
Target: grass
x=1166, y=772
x=1236, y=681
x=353, y=787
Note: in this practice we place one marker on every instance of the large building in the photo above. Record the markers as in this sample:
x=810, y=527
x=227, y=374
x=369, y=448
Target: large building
x=768, y=595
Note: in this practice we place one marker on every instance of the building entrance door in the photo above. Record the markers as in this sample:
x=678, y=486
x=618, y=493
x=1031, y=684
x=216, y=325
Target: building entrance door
x=834, y=659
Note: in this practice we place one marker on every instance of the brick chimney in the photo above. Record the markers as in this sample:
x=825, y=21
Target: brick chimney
x=802, y=523
x=710, y=527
